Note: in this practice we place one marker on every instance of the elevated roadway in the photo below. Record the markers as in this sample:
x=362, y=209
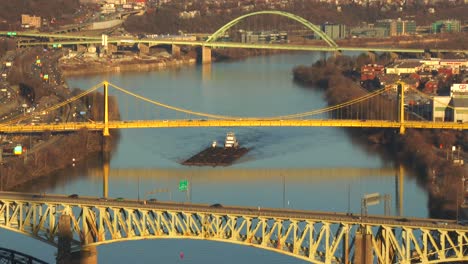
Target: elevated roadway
x=316, y=237
x=75, y=39
x=75, y=126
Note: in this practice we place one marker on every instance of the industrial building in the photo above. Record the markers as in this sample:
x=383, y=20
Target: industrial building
x=368, y=32
x=453, y=107
x=334, y=31
x=397, y=27
x=443, y=26
x=28, y=21
x=263, y=37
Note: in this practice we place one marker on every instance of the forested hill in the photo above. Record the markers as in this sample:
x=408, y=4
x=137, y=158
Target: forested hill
x=11, y=10
x=166, y=19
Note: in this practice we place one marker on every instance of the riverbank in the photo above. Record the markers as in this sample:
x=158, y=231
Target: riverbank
x=418, y=150
x=45, y=153
x=85, y=66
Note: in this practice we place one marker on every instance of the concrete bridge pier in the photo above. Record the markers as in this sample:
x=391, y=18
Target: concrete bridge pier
x=206, y=55
x=87, y=255
x=346, y=249
x=175, y=50
x=363, y=248
x=64, y=240
x=144, y=49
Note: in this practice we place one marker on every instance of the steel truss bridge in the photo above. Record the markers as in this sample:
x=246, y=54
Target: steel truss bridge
x=8, y=256
x=331, y=46
x=316, y=237
x=358, y=112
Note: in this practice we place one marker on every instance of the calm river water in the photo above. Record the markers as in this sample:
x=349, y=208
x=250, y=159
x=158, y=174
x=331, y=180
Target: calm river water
x=303, y=168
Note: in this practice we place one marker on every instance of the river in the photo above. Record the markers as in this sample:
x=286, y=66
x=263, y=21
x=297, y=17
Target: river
x=302, y=168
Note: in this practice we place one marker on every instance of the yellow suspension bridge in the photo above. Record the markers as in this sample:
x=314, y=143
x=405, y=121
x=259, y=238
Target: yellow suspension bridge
x=371, y=110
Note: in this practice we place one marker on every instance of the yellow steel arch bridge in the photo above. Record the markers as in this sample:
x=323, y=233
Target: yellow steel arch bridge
x=316, y=237
x=371, y=110
x=82, y=39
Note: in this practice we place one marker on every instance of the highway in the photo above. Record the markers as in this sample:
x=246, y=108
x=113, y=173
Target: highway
x=300, y=215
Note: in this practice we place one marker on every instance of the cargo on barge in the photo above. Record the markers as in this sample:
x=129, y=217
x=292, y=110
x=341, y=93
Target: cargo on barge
x=217, y=155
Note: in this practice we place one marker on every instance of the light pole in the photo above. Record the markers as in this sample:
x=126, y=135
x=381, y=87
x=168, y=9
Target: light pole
x=138, y=187
x=284, y=192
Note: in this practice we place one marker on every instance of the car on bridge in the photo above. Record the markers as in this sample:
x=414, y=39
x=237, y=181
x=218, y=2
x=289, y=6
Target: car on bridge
x=73, y=196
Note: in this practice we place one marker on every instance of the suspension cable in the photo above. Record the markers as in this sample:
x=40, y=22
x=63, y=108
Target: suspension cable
x=297, y=115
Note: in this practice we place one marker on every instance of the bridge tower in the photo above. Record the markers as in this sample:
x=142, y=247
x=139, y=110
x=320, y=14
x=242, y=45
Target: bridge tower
x=105, y=132
x=401, y=93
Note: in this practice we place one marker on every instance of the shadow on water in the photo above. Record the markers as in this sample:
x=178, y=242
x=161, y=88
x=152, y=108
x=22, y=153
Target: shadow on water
x=64, y=176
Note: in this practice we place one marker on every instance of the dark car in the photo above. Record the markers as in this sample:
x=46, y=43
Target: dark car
x=73, y=195
x=152, y=200
x=216, y=205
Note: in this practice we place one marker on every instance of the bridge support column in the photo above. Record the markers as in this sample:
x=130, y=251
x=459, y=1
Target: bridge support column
x=87, y=255
x=144, y=49
x=105, y=132
x=346, y=247
x=64, y=240
x=363, y=248
x=175, y=50
x=206, y=55
x=401, y=91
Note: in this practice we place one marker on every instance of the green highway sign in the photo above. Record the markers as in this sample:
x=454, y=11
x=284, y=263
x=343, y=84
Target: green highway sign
x=183, y=185
x=11, y=33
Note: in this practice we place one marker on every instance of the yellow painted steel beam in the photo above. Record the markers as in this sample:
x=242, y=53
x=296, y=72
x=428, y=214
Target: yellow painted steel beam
x=74, y=126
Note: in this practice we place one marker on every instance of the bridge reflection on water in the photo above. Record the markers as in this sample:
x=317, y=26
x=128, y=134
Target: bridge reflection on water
x=246, y=177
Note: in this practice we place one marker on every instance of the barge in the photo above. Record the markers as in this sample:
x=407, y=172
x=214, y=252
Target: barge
x=218, y=155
